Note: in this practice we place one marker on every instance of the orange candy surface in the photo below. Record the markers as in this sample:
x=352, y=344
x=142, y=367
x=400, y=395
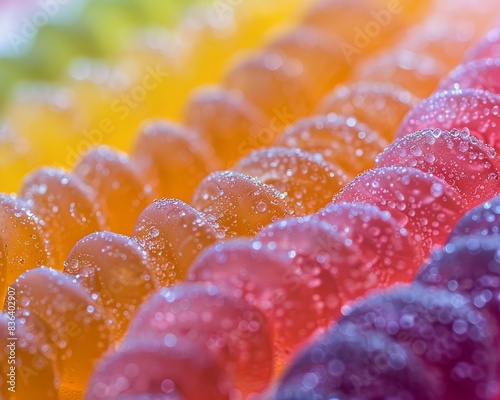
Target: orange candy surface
x=239, y=205
x=115, y=270
x=65, y=207
x=173, y=233
x=77, y=328
x=23, y=246
x=307, y=181
x=380, y=106
x=339, y=140
x=119, y=191
x=172, y=159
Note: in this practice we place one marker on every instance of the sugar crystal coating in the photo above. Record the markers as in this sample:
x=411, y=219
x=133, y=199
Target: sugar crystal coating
x=482, y=220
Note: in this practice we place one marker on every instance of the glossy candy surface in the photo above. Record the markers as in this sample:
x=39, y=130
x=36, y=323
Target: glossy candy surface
x=458, y=158
x=236, y=333
x=76, y=324
x=115, y=270
x=339, y=140
x=425, y=205
x=380, y=106
x=306, y=180
x=239, y=205
x=119, y=191
x=172, y=234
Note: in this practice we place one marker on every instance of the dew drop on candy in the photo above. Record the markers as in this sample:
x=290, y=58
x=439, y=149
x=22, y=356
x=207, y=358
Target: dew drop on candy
x=474, y=109
x=173, y=233
x=387, y=247
x=76, y=323
x=65, y=207
x=235, y=332
x=174, y=370
x=379, y=106
x=481, y=74
x=339, y=140
x=423, y=204
x=23, y=245
x=456, y=157
x=115, y=270
x=456, y=343
x=266, y=279
x=356, y=365
x=483, y=220
x=239, y=205
x=307, y=181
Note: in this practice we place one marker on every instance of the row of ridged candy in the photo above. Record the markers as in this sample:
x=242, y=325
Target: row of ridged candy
x=463, y=271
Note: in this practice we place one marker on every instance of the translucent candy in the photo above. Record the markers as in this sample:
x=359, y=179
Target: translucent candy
x=328, y=262
x=468, y=265
x=419, y=73
x=442, y=37
x=482, y=220
x=22, y=244
x=265, y=279
x=237, y=333
x=441, y=328
x=488, y=47
x=27, y=351
x=172, y=159
x=174, y=370
x=172, y=233
x=475, y=110
x=239, y=205
x=455, y=156
x=425, y=205
x=307, y=181
x=65, y=207
x=76, y=325
x=380, y=106
x=119, y=191
x=228, y=121
x=386, y=246
x=478, y=74
x=114, y=269
x=365, y=25
x=291, y=75
x=356, y=365
x=339, y=140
